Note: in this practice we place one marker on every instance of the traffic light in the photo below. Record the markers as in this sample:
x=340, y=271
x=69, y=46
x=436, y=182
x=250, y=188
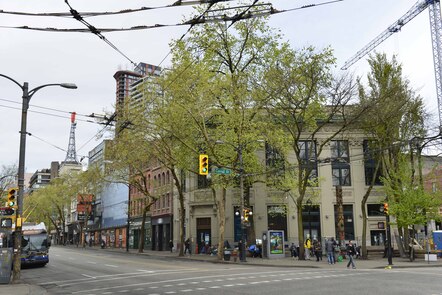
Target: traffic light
x=386, y=208
x=204, y=165
x=12, y=197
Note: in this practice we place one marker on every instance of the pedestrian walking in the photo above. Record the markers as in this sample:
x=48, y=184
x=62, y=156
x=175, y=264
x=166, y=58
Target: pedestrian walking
x=307, y=247
x=318, y=249
x=351, y=252
x=293, y=253
x=171, y=246
x=187, y=246
x=240, y=245
x=330, y=245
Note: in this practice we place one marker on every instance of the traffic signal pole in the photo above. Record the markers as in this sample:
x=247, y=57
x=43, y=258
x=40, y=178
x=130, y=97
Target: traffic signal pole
x=387, y=220
x=389, y=250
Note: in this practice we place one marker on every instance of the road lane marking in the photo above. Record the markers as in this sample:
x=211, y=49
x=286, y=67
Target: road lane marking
x=112, y=277
x=143, y=270
x=88, y=276
x=110, y=265
x=186, y=290
x=91, y=262
x=289, y=272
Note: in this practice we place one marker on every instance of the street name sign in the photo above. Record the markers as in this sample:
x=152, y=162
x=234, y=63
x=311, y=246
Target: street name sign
x=222, y=171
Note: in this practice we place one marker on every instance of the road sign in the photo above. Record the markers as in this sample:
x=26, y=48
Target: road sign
x=222, y=171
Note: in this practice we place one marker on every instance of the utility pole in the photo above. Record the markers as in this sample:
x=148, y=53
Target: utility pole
x=26, y=98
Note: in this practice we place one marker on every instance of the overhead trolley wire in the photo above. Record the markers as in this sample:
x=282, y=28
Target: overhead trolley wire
x=86, y=14
x=47, y=114
x=194, y=21
x=95, y=31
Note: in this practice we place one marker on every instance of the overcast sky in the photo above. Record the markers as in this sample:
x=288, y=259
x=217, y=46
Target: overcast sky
x=81, y=58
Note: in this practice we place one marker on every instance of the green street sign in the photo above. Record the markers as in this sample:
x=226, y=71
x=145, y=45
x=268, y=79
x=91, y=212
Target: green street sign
x=222, y=171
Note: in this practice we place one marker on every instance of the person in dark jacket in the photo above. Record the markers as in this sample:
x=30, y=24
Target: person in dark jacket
x=330, y=245
x=351, y=252
x=293, y=252
x=318, y=249
x=171, y=246
x=187, y=246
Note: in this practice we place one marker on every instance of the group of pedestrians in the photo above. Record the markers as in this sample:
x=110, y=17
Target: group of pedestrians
x=351, y=252
x=312, y=249
x=331, y=248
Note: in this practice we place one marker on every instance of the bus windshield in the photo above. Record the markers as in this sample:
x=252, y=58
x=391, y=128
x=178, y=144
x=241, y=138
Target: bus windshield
x=37, y=242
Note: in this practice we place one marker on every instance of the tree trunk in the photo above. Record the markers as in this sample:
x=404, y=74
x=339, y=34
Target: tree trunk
x=222, y=222
x=300, y=231
x=142, y=231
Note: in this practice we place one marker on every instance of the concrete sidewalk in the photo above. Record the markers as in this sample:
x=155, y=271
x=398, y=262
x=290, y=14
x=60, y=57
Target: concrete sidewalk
x=377, y=263
x=21, y=289
x=290, y=262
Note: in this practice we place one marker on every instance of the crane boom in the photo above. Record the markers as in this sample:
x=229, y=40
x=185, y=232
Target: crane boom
x=394, y=28
x=436, y=39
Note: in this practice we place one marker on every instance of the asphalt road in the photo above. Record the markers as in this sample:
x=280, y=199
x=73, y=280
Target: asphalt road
x=77, y=271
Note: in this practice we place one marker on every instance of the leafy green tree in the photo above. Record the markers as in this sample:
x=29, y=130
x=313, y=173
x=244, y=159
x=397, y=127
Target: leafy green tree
x=310, y=107
x=396, y=117
x=412, y=204
x=210, y=87
x=50, y=204
x=8, y=174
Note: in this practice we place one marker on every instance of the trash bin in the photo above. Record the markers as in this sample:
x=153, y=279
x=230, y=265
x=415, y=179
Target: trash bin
x=227, y=254
x=5, y=265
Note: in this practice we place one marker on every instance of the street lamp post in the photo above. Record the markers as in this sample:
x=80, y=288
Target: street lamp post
x=241, y=194
x=26, y=98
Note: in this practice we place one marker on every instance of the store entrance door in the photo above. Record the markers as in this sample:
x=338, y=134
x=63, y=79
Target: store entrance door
x=204, y=235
